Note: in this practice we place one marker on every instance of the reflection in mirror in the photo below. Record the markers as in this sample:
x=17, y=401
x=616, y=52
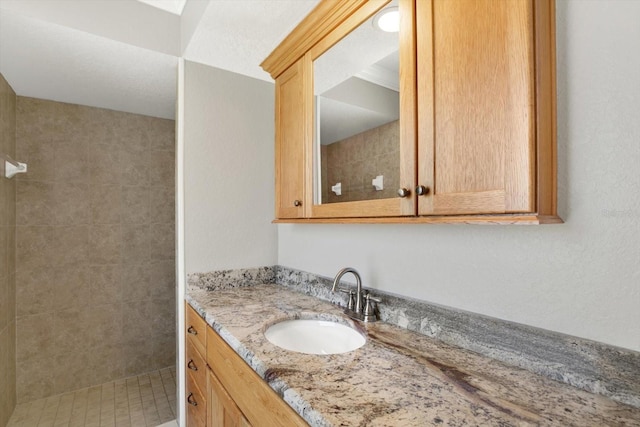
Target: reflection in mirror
x=356, y=88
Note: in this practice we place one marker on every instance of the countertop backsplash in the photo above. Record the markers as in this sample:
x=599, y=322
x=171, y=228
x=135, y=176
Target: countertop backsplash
x=588, y=365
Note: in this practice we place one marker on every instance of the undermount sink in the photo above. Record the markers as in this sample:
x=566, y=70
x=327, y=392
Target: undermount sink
x=314, y=336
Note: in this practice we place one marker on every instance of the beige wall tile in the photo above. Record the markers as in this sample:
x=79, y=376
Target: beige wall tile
x=105, y=244
x=135, y=205
x=35, y=203
x=105, y=204
x=163, y=279
x=34, y=245
x=71, y=159
x=105, y=165
x=105, y=284
x=71, y=203
x=134, y=167
x=70, y=245
x=161, y=135
x=162, y=242
x=4, y=277
x=137, y=355
x=40, y=157
x=36, y=337
x=70, y=287
x=34, y=380
x=137, y=323
x=164, y=350
x=163, y=315
x=138, y=281
x=35, y=293
x=136, y=243
x=162, y=167
x=161, y=204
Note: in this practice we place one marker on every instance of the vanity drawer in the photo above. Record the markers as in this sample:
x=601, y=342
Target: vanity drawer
x=196, y=366
x=196, y=404
x=196, y=330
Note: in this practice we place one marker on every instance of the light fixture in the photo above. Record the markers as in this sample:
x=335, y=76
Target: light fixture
x=388, y=20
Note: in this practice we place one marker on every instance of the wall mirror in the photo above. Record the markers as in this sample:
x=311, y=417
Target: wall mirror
x=356, y=115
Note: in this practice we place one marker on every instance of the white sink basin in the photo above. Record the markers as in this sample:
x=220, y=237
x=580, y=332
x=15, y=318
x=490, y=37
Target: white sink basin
x=314, y=336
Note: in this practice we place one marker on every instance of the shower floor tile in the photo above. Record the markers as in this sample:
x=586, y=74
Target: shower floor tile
x=147, y=400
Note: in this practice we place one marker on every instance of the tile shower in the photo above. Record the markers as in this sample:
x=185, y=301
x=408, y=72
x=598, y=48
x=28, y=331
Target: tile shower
x=94, y=248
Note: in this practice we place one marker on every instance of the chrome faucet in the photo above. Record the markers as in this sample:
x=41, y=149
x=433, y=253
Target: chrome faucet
x=360, y=305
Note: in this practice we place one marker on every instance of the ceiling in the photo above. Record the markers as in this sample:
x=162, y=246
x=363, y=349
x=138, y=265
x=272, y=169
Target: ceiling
x=123, y=55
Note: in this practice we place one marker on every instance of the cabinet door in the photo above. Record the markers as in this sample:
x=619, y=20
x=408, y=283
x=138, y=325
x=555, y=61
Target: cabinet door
x=291, y=121
x=365, y=129
x=476, y=106
x=223, y=412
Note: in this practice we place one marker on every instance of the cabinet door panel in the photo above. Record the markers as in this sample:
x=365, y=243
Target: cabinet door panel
x=223, y=412
x=476, y=106
x=291, y=145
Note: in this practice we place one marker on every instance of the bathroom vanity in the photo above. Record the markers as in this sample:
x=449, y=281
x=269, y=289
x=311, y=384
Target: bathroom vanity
x=397, y=378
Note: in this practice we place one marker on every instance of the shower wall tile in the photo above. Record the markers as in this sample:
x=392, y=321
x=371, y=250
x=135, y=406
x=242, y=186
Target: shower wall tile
x=137, y=281
x=105, y=204
x=135, y=205
x=94, y=246
x=72, y=203
x=105, y=244
x=35, y=293
x=161, y=205
x=7, y=255
x=105, y=165
x=136, y=243
x=4, y=299
x=36, y=201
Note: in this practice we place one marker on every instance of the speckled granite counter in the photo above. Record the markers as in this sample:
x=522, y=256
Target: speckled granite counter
x=398, y=378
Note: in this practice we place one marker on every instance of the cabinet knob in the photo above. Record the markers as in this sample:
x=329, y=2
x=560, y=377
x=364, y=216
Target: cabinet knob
x=297, y=203
x=191, y=400
x=192, y=330
x=192, y=365
x=403, y=192
x=421, y=190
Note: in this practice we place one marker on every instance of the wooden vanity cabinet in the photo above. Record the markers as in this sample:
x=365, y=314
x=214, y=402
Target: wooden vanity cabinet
x=222, y=390
x=478, y=97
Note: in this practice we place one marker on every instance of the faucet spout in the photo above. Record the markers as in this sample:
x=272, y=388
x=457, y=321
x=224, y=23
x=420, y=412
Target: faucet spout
x=336, y=280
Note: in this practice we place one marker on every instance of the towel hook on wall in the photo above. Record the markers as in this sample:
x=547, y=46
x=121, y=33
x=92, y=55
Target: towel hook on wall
x=11, y=167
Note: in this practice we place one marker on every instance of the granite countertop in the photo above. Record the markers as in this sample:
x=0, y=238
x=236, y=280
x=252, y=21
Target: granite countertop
x=398, y=378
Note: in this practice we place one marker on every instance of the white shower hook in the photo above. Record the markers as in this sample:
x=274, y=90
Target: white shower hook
x=11, y=167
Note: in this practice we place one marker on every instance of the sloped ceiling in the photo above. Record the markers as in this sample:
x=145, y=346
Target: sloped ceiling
x=123, y=55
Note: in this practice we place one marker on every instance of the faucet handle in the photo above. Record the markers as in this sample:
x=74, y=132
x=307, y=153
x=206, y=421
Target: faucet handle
x=352, y=298
x=369, y=313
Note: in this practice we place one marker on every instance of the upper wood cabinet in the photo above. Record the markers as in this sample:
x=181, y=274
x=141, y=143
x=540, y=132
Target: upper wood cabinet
x=475, y=131
x=291, y=144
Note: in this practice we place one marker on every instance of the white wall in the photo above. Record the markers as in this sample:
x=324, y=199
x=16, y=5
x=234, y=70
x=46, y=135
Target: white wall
x=229, y=172
x=581, y=278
